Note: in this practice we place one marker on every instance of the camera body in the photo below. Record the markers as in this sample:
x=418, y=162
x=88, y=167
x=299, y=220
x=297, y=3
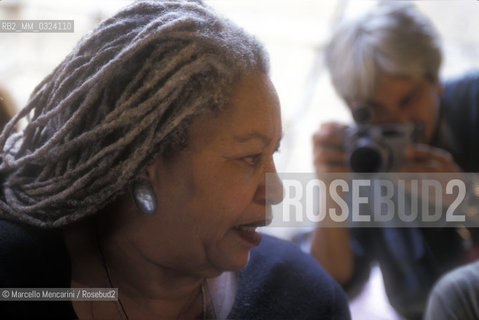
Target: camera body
x=377, y=148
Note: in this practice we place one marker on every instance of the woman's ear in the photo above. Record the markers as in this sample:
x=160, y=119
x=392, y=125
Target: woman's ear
x=153, y=172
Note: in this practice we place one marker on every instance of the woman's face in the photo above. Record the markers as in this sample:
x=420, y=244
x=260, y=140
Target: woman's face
x=211, y=196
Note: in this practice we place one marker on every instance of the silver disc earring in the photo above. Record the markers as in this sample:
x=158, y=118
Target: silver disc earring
x=144, y=196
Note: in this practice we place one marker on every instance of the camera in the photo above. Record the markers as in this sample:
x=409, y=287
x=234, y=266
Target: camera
x=377, y=148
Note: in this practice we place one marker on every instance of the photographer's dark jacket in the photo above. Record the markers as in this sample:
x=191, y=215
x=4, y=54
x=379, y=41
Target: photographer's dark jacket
x=412, y=259
x=459, y=118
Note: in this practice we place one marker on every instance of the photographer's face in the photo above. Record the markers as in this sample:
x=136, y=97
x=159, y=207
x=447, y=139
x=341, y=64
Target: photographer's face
x=399, y=99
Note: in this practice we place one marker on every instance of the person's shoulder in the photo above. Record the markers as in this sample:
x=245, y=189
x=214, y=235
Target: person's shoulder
x=468, y=77
x=456, y=295
x=281, y=281
x=459, y=105
x=275, y=256
x=460, y=280
x=31, y=257
x=281, y=255
x=461, y=88
x=12, y=232
x=23, y=239
x=17, y=242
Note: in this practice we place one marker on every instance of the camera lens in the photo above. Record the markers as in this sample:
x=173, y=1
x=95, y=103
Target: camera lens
x=365, y=159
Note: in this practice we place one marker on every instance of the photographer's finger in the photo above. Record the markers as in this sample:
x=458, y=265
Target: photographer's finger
x=434, y=159
x=328, y=137
x=329, y=155
x=331, y=167
x=427, y=165
x=332, y=126
x=411, y=167
x=330, y=161
x=422, y=151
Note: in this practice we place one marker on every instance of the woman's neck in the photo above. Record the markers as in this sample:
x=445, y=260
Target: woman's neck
x=147, y=286
x=146, y=290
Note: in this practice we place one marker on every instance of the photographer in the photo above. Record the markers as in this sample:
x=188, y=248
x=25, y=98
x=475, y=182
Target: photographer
x=389, y=60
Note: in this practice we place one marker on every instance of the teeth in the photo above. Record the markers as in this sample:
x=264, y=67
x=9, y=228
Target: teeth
x=246, y=228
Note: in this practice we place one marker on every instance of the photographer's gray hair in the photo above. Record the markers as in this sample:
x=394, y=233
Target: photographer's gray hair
x=393, y=38
x=124, y=95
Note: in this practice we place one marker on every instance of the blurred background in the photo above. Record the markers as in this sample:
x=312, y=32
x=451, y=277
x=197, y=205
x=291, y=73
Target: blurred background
x=294, y=32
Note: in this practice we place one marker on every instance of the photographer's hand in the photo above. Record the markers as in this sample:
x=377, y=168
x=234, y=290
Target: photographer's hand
x=421, y=158
x=425, y=158
x=331, y=245
x=328, y=148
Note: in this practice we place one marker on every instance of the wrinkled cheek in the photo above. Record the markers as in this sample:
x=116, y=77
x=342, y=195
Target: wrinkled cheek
x=235, y=204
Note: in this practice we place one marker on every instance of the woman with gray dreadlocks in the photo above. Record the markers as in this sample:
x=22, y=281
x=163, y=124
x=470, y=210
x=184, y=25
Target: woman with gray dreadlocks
x=146, y=154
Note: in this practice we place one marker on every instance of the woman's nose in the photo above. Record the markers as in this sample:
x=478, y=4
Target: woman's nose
x=274, y=187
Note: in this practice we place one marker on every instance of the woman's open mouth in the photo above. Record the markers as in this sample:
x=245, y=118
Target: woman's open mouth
x=248, y=233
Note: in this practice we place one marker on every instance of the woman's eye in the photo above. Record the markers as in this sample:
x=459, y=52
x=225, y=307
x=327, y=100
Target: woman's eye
x=252, y=160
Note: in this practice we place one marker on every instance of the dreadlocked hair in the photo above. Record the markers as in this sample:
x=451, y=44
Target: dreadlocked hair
x=125, y=94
